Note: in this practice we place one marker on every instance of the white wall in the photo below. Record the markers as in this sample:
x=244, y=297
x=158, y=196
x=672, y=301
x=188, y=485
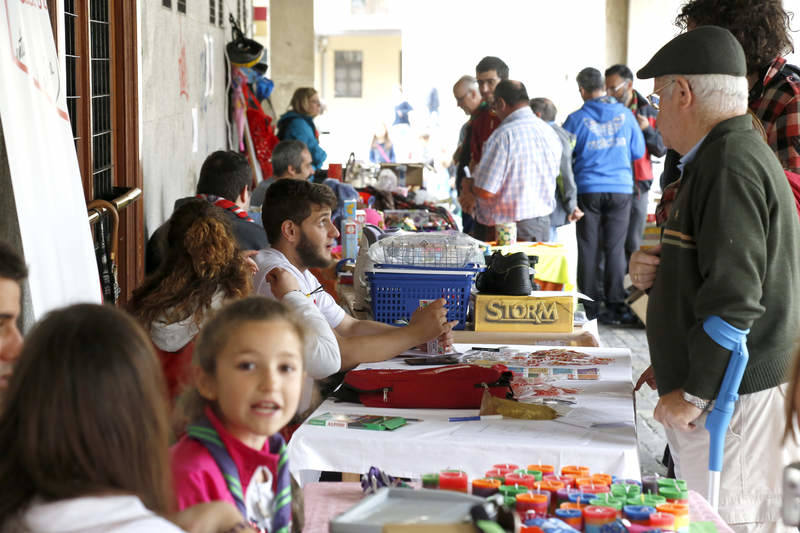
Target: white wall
x=173, y=49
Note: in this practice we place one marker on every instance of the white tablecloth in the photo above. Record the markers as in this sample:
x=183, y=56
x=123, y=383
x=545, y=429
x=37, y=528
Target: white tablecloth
x=599, y=432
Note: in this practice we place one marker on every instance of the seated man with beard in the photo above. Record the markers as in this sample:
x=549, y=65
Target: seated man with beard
x=297, y=218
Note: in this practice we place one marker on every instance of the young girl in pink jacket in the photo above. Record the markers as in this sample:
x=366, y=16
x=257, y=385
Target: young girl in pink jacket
x=248, y=373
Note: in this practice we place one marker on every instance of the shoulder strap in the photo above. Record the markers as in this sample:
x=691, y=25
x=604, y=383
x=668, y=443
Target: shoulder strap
x=202, y=431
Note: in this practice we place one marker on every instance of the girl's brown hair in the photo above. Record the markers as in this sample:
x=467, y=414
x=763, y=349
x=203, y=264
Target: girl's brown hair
x=215, y=335
x=300, y=99
x=202, y=258
x=85, y=413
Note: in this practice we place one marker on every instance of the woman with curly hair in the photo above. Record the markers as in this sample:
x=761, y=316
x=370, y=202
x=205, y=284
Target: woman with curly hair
x=762, y=28
x=203, y=268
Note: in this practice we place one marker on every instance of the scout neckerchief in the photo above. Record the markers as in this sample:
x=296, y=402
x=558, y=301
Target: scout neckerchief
x=226, y=204
x=204, y=432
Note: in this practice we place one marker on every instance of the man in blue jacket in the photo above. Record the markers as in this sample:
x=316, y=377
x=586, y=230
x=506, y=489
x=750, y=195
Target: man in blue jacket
x=608, y=140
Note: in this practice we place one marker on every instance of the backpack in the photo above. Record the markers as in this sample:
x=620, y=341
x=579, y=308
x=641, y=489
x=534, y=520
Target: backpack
x=443, y=387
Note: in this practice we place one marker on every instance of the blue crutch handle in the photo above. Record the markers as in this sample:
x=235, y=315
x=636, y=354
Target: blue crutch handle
x=717, y=421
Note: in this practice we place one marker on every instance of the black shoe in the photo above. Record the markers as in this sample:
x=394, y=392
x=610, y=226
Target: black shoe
x=618, y=315
x=506, y=274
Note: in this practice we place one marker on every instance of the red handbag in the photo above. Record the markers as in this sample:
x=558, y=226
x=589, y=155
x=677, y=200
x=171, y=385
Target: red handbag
x=443, y=387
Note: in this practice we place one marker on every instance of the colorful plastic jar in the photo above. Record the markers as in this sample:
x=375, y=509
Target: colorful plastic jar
x=572, y=517
x=535, y=473
x=678, y=510
x=650, y=484
x=638, y=514
x=670, y=482
x=430, y=481
x=485, y=487
x=495, y=474
x=595, y=489
x=581, y=497
x=538, y=502
x=594, y=518
x=611, y=503
x=506, y=468
x=572, y=505
x=453, y=480
x=662, y=521
x=602, y=479
x=520, y=479
x=652, y=500
x=568, y=481
x=575, y=470
x=544, y=469
x=674, y=495
x=511, y=491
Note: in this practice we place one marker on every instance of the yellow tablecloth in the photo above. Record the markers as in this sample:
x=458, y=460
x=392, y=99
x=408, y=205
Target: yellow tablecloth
x=552, y=265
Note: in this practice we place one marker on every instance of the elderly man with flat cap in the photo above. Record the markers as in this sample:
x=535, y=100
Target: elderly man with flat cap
x=728, y=264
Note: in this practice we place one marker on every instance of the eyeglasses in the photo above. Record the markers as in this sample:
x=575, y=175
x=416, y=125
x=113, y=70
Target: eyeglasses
x=654, y=98
x=617, y=88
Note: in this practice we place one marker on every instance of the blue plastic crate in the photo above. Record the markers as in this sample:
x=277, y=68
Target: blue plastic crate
x=396, y=295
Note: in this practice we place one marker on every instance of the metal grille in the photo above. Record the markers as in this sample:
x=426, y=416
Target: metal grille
x=347, y=73
x=181, y=6
x=167, y=3
x=72, y=64
x=212, y=11
x=100, y=50
x=221, y=11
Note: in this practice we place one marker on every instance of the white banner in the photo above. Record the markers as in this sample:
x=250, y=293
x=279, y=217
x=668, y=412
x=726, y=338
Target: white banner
x=44, y=167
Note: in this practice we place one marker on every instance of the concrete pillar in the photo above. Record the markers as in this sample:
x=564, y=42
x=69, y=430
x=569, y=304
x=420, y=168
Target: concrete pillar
x=292, y=48
x=617, y=31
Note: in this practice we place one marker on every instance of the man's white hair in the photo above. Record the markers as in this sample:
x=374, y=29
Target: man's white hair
x=719, y=96
x=469, y=83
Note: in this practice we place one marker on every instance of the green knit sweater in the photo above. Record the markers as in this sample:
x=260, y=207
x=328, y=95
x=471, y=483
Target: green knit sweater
x=729, y=248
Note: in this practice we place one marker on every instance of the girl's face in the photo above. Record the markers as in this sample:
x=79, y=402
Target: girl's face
x=258, y=380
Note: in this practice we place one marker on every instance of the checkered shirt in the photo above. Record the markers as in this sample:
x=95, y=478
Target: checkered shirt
x=519, y=164
x=776, y=101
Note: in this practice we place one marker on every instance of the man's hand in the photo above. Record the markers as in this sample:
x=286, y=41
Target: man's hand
x=281, y=282
x=576, y=215
x=431, y=321
x=467, y=196
x=247, y=256
x=649, y=377
x=644, y=122
x=676, y=413
x=644, y=266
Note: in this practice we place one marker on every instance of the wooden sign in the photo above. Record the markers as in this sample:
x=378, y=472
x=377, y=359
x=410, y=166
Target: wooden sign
x=494, y=312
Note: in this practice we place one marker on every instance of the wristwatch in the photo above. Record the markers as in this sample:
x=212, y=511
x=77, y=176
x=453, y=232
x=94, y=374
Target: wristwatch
x=700, y=403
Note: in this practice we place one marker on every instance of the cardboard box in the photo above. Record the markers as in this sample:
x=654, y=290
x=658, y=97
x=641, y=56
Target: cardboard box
x=494, y=312
x=413, y=172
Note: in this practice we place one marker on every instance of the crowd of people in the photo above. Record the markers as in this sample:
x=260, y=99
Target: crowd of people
x=220, y=350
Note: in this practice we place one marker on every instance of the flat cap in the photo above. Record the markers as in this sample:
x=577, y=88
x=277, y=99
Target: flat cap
x=704, y=50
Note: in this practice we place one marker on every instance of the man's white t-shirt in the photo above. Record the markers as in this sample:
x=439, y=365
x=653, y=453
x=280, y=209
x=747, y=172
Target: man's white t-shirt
x=271, y=258
x=319, y=312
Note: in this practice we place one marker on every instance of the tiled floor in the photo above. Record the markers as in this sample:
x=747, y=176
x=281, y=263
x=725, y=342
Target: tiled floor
x=650, y=432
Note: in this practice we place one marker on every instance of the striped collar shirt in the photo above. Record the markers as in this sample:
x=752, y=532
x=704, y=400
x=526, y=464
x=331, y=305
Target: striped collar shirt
x=519, y=165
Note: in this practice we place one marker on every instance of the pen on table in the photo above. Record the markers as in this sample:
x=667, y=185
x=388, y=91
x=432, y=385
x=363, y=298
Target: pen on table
x=471, y=418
